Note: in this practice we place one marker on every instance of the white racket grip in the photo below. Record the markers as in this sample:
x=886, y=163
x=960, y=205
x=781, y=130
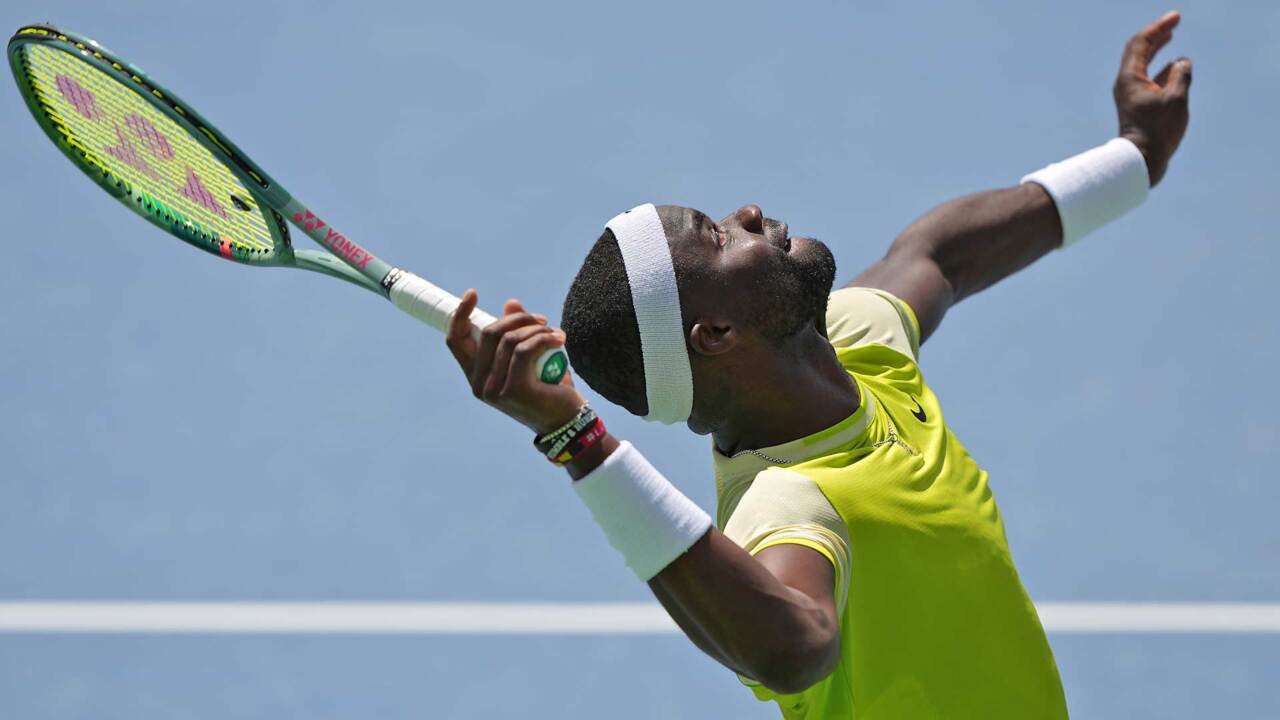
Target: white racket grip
x=433, y=306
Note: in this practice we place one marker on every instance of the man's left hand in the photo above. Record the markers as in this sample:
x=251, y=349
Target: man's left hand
x=1153, y=113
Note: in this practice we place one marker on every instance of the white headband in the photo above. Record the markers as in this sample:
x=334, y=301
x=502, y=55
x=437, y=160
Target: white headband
x=668, y=380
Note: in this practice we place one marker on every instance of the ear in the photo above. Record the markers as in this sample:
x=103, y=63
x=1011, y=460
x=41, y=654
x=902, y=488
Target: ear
x=713, y=336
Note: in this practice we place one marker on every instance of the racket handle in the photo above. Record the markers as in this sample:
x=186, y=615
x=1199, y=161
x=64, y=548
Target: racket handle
x=435, y=307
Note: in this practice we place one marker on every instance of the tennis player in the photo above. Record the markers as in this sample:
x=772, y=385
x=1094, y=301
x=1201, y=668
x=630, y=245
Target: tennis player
x=858, y=565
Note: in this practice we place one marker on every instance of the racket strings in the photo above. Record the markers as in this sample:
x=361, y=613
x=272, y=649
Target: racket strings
x=147, y=155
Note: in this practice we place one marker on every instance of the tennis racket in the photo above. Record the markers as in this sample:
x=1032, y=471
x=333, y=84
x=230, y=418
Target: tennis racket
x=160, y=158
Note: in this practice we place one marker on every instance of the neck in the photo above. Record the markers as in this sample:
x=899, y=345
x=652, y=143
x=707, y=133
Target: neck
x=806, y=390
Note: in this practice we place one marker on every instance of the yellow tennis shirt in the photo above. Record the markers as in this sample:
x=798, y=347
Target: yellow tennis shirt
x=934, y=622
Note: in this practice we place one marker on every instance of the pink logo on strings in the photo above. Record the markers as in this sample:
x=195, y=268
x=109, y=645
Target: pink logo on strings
x=196, y=191
x=156, y=143
x=126, y=153
x=309, y=221
x=83, y=100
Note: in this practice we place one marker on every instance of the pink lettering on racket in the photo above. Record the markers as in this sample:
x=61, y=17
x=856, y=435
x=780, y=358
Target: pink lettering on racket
x=309, y=221
x=339, y=243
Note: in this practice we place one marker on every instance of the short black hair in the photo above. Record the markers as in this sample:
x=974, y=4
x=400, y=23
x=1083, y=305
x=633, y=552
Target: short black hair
x=601, y=333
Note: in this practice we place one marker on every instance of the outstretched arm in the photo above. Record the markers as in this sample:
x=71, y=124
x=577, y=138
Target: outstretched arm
x=966, y=245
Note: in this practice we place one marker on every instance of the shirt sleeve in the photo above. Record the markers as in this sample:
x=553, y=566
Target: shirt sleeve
x=866, y=316
x=783, y=506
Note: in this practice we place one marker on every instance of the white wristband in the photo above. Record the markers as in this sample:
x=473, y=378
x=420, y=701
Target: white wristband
x=645, y=517
x=1095, y=187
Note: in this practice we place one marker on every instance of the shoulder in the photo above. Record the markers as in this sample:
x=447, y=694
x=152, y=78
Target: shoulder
x=778, y=495
x=858, y=316
x=784, y=506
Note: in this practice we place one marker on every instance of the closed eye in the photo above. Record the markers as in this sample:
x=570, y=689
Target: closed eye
x=718, y=236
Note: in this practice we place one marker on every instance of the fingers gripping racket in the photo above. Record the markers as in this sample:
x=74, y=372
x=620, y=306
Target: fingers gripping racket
x=161, y=159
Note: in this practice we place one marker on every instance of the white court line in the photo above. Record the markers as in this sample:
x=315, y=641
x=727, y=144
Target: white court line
x=434, y=618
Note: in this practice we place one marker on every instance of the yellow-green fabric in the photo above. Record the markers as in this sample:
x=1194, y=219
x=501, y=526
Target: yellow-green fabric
x=936, y=623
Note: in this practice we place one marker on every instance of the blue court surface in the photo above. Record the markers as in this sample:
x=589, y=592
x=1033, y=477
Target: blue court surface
x=180, y=430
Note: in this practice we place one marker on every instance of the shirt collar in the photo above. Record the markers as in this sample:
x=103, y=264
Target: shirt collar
x=746, y=463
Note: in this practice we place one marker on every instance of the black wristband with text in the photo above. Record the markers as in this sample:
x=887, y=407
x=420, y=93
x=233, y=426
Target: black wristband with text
x=553, y=443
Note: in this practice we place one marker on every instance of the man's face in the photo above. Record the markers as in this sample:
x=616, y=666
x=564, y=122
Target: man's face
x=749, y=268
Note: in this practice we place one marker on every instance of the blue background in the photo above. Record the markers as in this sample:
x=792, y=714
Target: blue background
x=174, y=428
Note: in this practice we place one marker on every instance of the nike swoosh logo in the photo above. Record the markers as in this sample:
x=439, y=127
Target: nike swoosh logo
x=919, y=411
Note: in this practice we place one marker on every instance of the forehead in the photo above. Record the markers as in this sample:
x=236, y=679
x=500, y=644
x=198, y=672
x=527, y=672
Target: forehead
x=692, y=250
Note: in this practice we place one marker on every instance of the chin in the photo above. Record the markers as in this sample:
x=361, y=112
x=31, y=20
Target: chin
x=815, y=256
x=810, y=249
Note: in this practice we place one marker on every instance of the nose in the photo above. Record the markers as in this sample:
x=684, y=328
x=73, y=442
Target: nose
x=749, y=217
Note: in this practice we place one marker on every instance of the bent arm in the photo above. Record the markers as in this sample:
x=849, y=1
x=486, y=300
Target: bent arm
x=968, y=244
x=771, y=617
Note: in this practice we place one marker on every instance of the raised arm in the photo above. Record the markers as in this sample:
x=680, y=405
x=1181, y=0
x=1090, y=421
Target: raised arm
x=966, y=245
x=771, y=617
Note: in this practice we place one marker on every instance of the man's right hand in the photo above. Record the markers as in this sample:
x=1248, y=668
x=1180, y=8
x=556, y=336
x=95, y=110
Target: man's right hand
x=1153, y=113
x=500, y=367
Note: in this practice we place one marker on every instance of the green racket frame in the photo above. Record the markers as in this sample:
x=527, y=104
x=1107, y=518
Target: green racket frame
x=268, y=193
x=345, y=260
